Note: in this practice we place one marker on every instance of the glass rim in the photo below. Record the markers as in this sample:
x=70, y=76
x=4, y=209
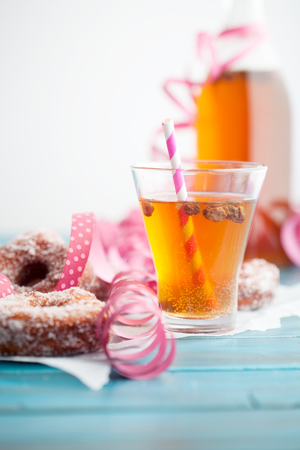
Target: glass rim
x=245, y=166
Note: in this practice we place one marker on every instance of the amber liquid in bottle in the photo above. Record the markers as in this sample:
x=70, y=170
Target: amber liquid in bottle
x=244, y=116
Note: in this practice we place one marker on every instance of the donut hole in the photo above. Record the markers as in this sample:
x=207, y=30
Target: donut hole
x=32, y=273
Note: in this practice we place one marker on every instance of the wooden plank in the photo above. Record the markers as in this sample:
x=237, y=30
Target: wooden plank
x=237, y=354
x=194, y=391
x=245, y=430
x=290, y=327
x=290, y=275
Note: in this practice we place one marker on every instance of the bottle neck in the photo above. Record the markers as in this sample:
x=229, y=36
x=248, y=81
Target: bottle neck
x=245, y=12
x=241, y=13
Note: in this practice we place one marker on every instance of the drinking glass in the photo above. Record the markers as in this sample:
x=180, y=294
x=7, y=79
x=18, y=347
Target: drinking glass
x=198, y=245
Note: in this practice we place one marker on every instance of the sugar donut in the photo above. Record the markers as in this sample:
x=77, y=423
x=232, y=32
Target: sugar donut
x=34, y=261
x=258, y=282
x=54, y=324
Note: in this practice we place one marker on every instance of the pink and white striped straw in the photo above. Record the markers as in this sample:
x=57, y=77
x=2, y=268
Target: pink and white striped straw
x=169, y=132
x=193, y=253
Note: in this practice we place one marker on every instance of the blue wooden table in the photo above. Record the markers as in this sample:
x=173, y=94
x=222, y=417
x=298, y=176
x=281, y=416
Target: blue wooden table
x=239, y=392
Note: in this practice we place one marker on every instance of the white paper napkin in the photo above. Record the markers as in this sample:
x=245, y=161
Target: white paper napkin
x=93, y=369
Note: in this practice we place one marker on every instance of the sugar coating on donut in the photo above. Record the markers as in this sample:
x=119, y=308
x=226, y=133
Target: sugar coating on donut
x=34, y=261
x=54, y=324
x=258, y=283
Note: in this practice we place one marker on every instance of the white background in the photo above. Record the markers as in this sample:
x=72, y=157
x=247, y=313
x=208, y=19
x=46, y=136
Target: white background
x=81, y=96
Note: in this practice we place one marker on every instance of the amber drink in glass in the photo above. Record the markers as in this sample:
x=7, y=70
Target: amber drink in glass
x=198, y=245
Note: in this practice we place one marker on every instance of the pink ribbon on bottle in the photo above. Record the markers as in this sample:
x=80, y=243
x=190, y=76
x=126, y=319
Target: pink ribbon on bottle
x=206, y=43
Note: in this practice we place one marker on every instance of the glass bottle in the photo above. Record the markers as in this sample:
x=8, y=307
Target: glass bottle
x=244, y=115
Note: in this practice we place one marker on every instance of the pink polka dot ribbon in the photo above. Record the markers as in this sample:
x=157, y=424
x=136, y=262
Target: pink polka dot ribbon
x=5, y=286
x=79, y=249
x=132, y=313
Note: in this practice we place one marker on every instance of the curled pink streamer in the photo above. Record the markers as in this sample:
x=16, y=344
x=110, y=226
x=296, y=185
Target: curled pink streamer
x=125, y=246
x=147, y=278
x=206, y=44
x=133, y=303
